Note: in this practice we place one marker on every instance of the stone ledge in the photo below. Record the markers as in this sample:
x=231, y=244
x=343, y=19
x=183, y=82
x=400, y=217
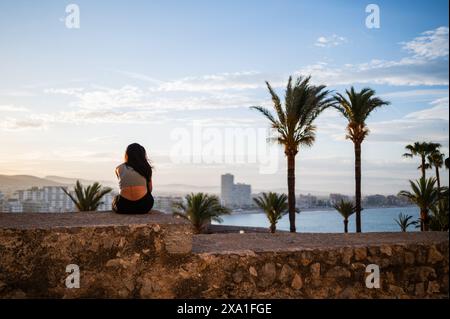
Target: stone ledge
x=83, y=219
x=288, y=242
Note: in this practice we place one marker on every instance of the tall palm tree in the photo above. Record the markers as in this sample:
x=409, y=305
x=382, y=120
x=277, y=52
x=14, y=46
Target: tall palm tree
x=346, y=209
x=88, y=198
x=422, y=149
x=436, y=160
x=404, y=221
x=294, y=124
x=275, y=206
x=356, y=108
x=200, y=209
x=425, y=196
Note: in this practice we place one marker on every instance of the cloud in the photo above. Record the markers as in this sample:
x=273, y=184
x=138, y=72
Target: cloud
x=13, y=108
x=132, y=98
x=415, y=93
x=426, y=65
x=330, y=41
x=430, y=45
x=439, y=111
x=215, y=82
x=14, y=124
x=431, y=124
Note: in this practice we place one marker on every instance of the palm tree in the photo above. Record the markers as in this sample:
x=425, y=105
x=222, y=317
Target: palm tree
x=294, y=124
x=440, y=214
x=447, y=163
x=87, y=199
x=356, y=108
x=436, y=160
x=200, y=209
x=425, y=196
x=346, y=209
x=274, y=205
x=422, y=149
x=404, y=221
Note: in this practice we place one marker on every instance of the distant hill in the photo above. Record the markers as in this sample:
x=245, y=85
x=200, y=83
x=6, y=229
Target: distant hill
x=11, y=183
x=72, y=181
x=182, y=189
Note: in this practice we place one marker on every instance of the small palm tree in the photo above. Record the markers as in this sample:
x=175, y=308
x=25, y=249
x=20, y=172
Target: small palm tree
x=439, y=219
x=274, y=205
x=346, y=209
x=294, y=125
x=425, y=196
x=404, y=221
x=200, y=209
x=356, y=108
x=422, y=149
x=87, y=199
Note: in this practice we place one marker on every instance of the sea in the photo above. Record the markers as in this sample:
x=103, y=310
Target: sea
x=329, y=221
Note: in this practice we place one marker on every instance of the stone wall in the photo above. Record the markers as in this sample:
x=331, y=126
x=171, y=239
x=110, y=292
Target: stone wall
x=156, y=256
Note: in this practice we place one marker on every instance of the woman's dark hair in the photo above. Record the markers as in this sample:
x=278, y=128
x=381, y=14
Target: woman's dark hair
x=136, y=157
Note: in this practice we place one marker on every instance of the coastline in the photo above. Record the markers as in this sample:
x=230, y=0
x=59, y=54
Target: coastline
x=318, y=209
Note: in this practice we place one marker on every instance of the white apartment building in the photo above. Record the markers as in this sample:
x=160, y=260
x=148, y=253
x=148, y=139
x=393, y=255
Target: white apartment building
x=235, y=195
x=107, y=202
x=50, y=199
x=13, y=205
x=164, y=203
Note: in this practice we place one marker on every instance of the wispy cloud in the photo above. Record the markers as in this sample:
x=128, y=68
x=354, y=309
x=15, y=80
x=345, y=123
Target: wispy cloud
x=330, y=41
x=13, y=109
x=430, y=44
x=17, y=124
x=439, y=111
x=426, y=64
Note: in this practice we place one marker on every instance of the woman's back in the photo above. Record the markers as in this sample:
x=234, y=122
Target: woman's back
x=133, y=186
x=135, y=183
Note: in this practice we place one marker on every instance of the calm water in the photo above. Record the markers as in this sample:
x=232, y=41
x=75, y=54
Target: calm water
x=373, y=220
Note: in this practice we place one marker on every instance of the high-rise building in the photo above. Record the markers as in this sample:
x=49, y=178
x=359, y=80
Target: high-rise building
x=226, y=190
x=235, y=195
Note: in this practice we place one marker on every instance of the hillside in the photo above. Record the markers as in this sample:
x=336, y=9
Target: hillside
x=11, y=183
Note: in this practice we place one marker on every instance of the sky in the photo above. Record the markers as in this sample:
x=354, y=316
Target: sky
x=179, y=78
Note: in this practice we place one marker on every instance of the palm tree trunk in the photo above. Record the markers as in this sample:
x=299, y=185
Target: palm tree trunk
x=438, y=180
x=346, y=226
x=272, y=228
x=291, y=190
x=423, y=167
x=358, y=186
x=423, y=220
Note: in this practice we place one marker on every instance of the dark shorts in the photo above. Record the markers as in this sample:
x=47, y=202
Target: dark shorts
x=121, y=205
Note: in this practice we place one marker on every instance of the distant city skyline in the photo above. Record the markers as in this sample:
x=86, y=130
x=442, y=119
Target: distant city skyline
x=157, y=72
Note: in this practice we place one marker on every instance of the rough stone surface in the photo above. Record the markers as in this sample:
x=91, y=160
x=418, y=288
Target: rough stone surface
x=156, y=256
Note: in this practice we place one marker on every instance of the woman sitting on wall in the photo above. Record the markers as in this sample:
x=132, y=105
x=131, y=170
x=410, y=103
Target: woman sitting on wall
x=135, y=183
